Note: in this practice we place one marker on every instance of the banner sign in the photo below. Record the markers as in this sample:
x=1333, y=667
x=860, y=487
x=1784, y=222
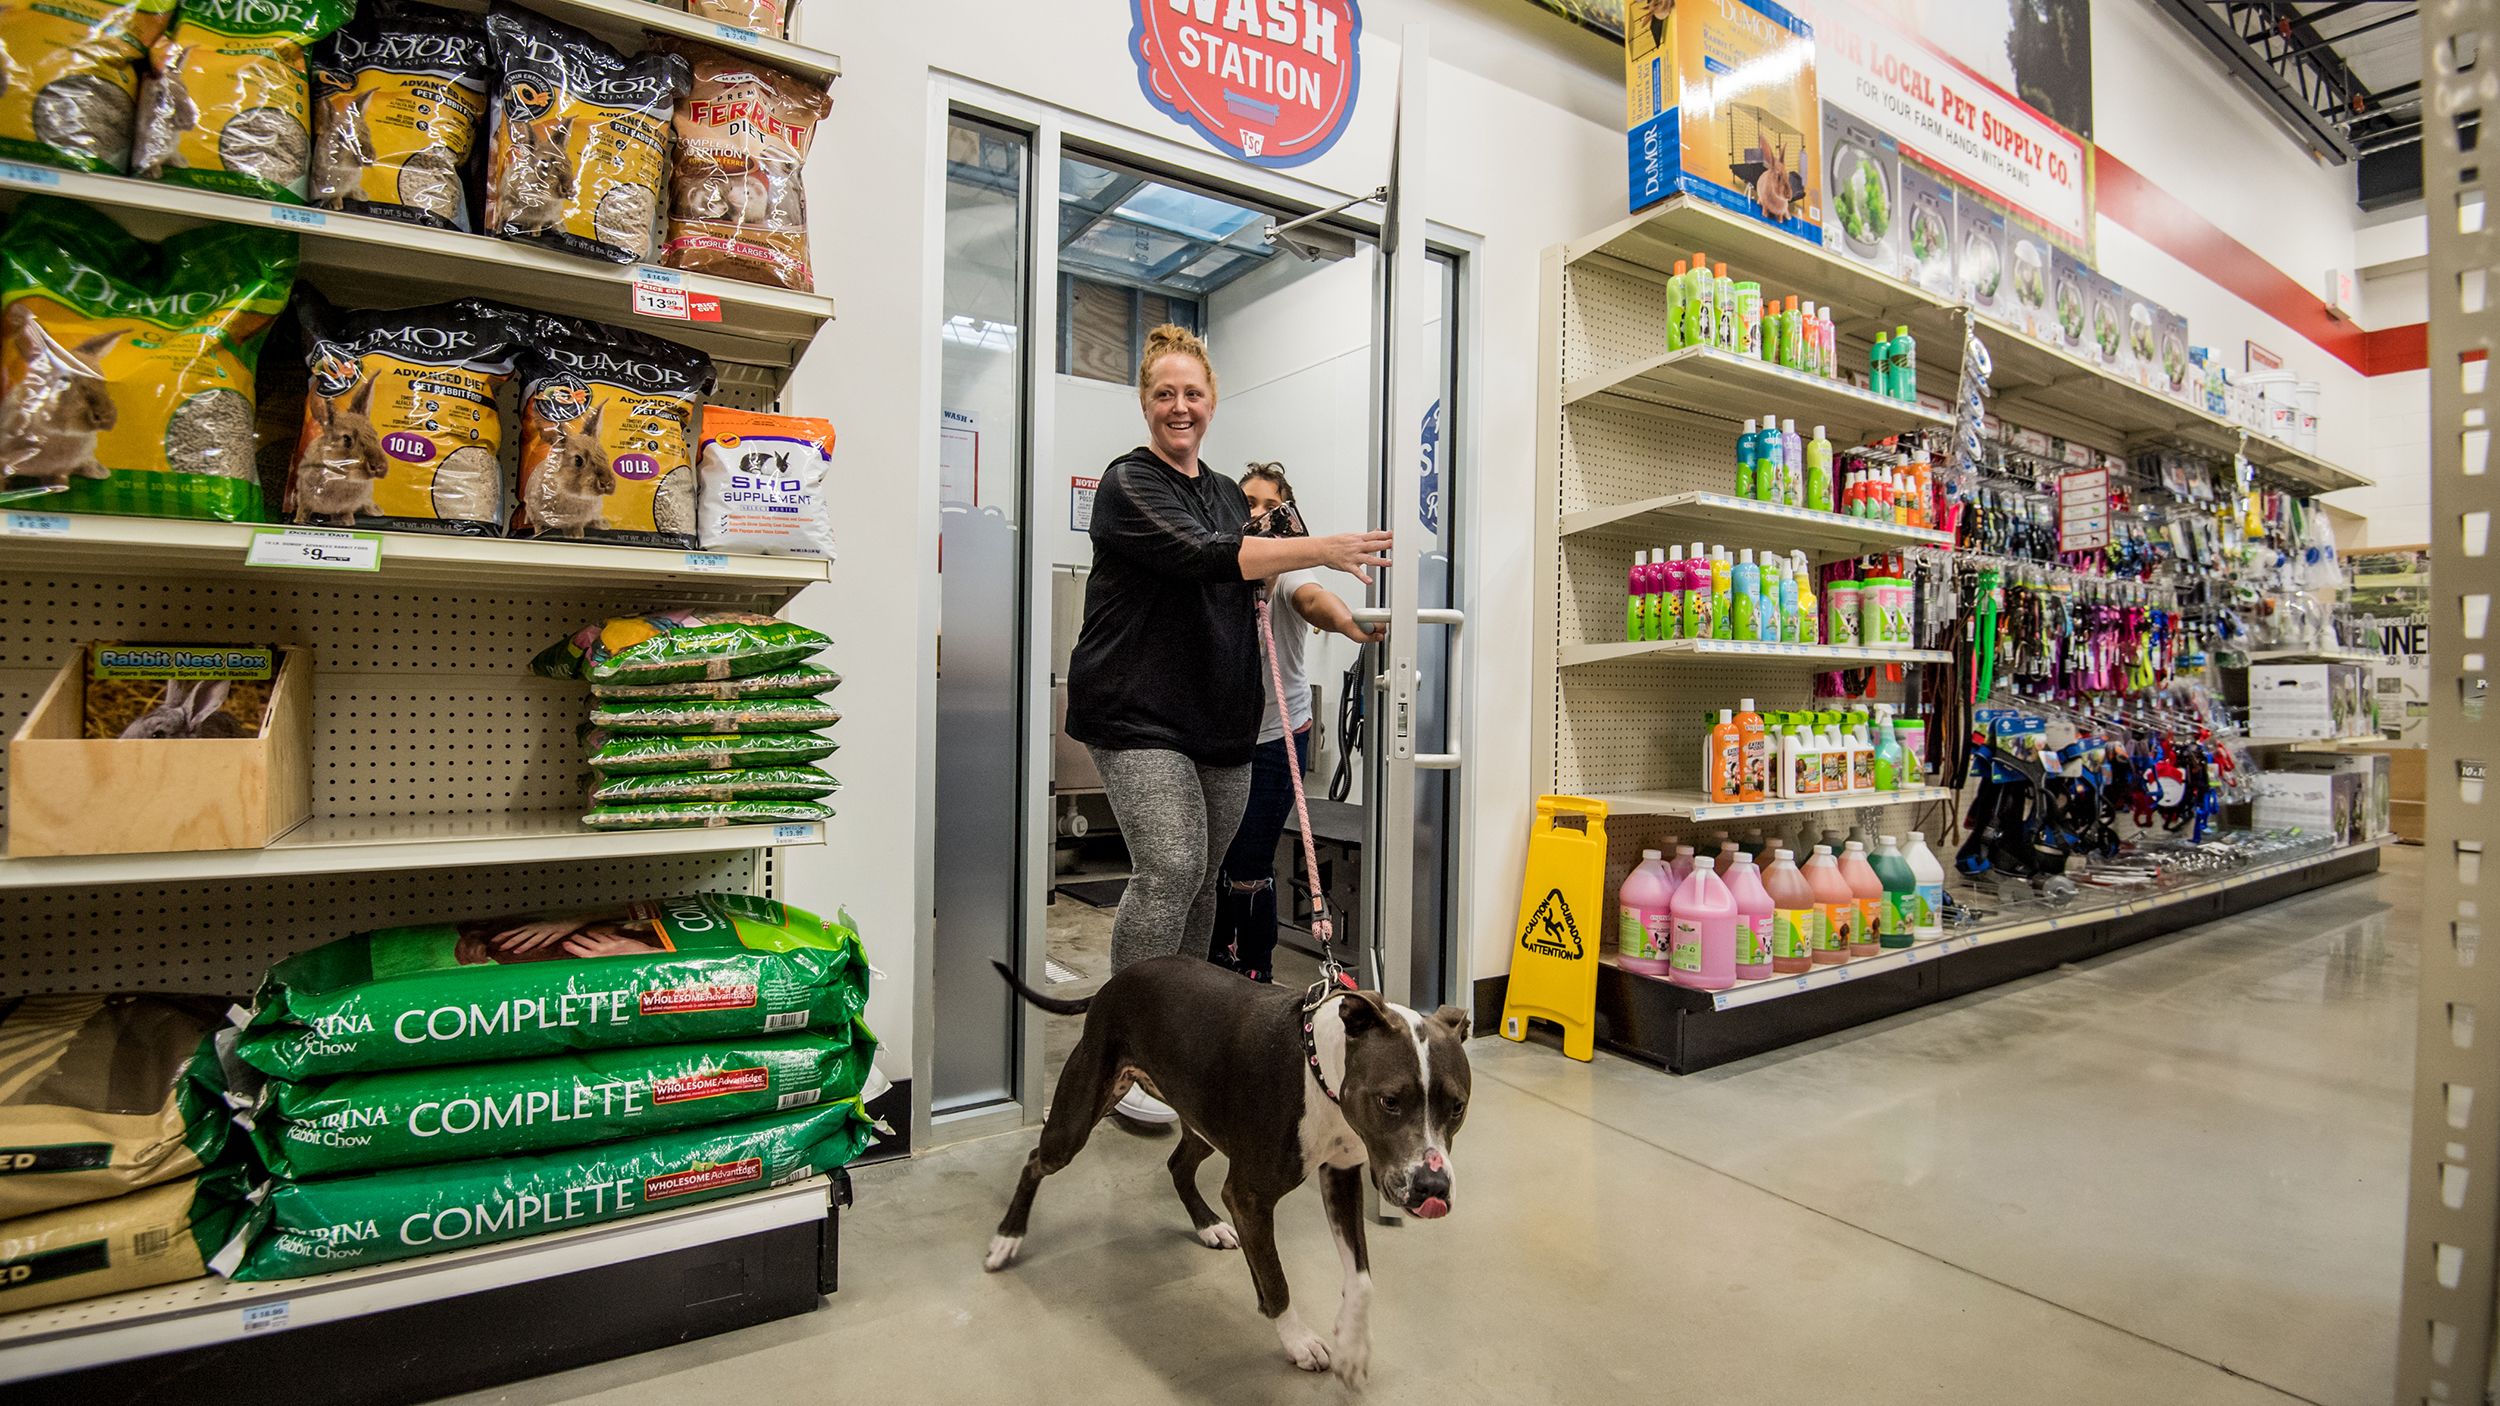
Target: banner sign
x=1269, y=81
x=1950, y=118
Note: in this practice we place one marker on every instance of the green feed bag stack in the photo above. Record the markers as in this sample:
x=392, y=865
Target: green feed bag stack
x=410, y=1117
x=703, y=967
x=313, y=1227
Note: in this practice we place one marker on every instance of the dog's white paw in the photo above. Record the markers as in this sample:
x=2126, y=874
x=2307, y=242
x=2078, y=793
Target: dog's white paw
x=1308, y=1350
x=1353, y=1361
x=1002, y=1252
x=1219, y=1236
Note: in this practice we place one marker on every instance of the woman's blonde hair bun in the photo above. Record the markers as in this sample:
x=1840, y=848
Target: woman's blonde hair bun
x=1171, y=339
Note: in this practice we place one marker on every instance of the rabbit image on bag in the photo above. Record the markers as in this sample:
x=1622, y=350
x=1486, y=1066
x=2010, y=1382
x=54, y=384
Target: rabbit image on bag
x=190, y=708
x=344, y=149
x=334, y=480
x=166, y=111
x=50, y=418
x=565, y=492
x=535, y=176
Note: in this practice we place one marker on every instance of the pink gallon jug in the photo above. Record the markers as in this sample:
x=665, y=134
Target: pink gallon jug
x=1705, y=930
x=1644, y=938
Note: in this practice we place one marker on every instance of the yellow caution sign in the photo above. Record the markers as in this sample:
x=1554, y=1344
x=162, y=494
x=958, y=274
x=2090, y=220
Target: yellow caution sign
x=1562, y=922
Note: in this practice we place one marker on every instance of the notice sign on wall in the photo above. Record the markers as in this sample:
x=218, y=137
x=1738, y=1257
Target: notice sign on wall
x=1081, y=503
x=2083, y=511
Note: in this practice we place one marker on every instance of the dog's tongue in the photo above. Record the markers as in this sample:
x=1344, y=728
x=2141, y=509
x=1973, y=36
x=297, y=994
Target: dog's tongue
x=1434, y=1208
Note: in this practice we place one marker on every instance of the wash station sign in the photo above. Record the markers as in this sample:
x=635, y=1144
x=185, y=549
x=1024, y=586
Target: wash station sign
x=1269, y=81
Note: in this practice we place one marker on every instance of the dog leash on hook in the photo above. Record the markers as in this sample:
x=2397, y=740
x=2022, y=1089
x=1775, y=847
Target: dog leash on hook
x=1331, y=974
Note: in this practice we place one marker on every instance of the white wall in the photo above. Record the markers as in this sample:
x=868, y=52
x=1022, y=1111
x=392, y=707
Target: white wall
x=1097, y=423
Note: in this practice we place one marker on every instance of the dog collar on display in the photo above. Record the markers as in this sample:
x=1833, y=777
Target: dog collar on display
x=1320, y=993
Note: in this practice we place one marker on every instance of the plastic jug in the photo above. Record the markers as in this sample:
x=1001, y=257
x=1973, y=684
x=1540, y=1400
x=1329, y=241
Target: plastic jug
x=1682, y=868
x=1705, y=930
x=1796, y=920
x=1645, y=928
x=1887, y=751
x=1753, y=919
x=1900, y=894
x=1928, y=924
x=1838, y=905
x=1866, y=934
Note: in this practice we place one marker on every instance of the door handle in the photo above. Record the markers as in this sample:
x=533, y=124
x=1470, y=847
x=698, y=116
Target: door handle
x=1454, y=697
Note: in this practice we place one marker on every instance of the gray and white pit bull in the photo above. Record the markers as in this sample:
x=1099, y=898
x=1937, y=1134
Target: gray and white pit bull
x=1284, y=1083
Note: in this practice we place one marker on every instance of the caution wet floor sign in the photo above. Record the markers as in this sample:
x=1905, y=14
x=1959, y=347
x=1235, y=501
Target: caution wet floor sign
x=1553, y=966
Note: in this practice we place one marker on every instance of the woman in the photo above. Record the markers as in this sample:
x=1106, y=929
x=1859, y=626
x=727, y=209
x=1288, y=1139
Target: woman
x=1163, y=687
x=1245, y=911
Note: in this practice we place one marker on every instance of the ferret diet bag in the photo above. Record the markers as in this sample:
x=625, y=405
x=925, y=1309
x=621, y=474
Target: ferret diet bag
x=608, y=417
x=228, y=106
x=704, y=967
x=104, y=1095
x=311, y=1227
x=508, y=1108
x=69, y=79
x=737, y=206
x=763, y=482
x=401, y=428
x=399, y=98
x=577, y=149
x=128, y=367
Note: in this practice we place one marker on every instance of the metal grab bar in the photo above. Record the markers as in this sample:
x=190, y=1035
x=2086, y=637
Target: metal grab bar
x=1454, y=695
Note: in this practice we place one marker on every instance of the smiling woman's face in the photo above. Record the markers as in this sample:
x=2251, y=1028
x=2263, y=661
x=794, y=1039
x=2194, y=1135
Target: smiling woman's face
x=1179, y=403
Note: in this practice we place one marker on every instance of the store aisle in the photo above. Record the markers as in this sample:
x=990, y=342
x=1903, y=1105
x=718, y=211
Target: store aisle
x=2174, y=1175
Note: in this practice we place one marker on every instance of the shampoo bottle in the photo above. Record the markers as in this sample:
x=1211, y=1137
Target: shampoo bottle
x=1904, y=364
x=1705, y=321
x=1754, y=755
x=1793, y=603
x=1645, y=928
x=1679, y=296
x=1705, y=930
x=1879, y=365
x=1809, y=605
x=1635, y=595
x=1722, y=582
x=1753, y=919
x=1792, y=335
x=1671, y=597
x=1831, y=346
x=1929, y=872
x=1866, y=936
x=1767, y=459
x=1725, y=289
x=1861, y=755
x=1774, y=619
x=1748, y=459
x=1793, y=465
x=1884, y=758
x=1696, y=595
x=1654, y=602
x=1795, y=920
x=1801, y=762
x=1838, y=905
x=1745, y=596
x=1900, y=894
x=1810, y=356
x=1819, y=472
x=1722, y=761
x=1835, y=756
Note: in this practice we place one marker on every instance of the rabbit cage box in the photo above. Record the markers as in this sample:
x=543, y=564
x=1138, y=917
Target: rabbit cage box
x=73, y=794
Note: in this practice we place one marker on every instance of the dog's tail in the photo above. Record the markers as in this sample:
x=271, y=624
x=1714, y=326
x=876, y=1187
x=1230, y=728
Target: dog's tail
x=1051, y=1004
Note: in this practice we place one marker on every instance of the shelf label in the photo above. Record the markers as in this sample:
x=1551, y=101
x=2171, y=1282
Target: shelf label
x=316, y=549
x=707, y=561
x=732, y=34
x=660, y=292
x=298, y=215
x=268, y=1317
x=799, y=832
x=29, y=175
x=38, y=524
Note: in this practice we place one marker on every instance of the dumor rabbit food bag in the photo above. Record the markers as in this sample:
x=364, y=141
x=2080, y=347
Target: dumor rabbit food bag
x=399, y=96
x=577, y=153
x=401, y=428
x=228, y=106
x=608, y=419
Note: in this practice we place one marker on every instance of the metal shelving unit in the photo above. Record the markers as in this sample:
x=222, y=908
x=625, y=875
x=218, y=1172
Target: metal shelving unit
x=1693, y=805
x=1723, y=385
x=1678, y=517
x=1838, y=656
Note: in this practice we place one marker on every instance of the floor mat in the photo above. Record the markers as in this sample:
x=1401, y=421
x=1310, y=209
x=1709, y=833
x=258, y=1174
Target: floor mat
x=1096, y=893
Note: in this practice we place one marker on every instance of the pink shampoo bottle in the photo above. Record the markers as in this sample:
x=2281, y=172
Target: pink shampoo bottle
x=1645, y=926
x=1705, y=930
x=1753, y=920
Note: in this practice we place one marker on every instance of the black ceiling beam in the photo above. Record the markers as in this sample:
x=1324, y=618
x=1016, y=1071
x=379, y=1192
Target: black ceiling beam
x=2307, y=92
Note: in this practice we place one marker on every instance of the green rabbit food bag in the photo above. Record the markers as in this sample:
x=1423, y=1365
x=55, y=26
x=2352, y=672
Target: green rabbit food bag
x=644, y=756
x=398, y=99
x=705, y=815
x=401, y=427
x=410, y=1117
x=128, y=367
x=678, y=646
x=608, y=420
x=69, y=79
x=577, y=149
x=311, y=1227
x=228, y=106
x=102, y=1095
x=162, y=1235
x=796, y=681
x=707, y=966
x=760, y=783
x=709, y=716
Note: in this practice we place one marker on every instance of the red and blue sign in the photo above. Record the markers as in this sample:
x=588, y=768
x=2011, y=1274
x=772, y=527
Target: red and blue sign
x=1269, y=81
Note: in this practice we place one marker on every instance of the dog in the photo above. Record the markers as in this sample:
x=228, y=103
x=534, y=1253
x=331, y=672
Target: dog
x=1285, y=1084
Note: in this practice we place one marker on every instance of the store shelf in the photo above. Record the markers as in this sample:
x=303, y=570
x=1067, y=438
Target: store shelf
x=622, y=22
x=354, y=846
x=2317, y=744
x=362, y=261
x=156, y=546
x=1835, y=656
x=205, y=1313
x=1718, y=517
x=2037, y=386
x=1724, y=386
x=2316, y=656
x=1693, y=805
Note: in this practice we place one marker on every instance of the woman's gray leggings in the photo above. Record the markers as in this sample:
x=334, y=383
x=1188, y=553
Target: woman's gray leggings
x=1178, y=818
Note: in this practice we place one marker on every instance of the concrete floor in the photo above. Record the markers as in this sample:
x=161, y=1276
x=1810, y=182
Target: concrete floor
x=2175, y=1175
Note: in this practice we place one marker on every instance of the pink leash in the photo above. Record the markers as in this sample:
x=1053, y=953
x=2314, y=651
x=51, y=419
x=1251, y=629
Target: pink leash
x=1322, y=926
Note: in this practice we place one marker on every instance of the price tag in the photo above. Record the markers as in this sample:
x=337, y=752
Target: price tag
x=29, y=175
x=707, y=561
x=38, y=524
x=732, y=34
x=793, y=832
x=268, y=1317
x=316, y=549
x=659, y=300
x=298, y=215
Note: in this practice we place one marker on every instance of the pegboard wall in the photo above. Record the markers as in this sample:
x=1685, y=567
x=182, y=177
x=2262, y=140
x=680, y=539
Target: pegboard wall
x=220, y=937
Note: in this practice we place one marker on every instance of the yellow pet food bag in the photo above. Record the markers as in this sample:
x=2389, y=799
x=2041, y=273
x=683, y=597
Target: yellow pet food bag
x=228, y=107
x=608, y=419
x=71, y=75
x=401, y=428
x=577, y=153
x=398, y=100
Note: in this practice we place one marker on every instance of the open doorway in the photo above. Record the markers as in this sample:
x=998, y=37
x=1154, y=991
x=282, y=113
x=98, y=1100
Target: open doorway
x=1112, y=248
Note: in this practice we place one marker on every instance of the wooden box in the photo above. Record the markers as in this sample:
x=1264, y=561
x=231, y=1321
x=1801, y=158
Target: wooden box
x=70, y=795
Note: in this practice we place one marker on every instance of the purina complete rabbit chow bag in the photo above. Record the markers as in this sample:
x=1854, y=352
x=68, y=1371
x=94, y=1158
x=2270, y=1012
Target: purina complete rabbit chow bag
x=69, y=79
x=128, y=367
x=608, y=419
x=709, y=716
x=646, y=756
x=705, y=967
x=577, y=152
x=398, y=98
x=736, y=203
x=228, y=106
x=401, y=427
x=762, y=783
